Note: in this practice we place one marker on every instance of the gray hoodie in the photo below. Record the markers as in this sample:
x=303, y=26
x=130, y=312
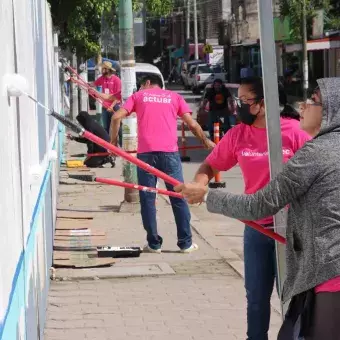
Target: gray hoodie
x=310, y=184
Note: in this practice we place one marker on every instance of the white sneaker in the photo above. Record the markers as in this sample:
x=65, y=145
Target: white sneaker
x=147, y=249
x=192, y=248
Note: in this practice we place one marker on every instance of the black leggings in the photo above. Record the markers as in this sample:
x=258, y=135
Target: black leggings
x=98, y=161
x=326, y=317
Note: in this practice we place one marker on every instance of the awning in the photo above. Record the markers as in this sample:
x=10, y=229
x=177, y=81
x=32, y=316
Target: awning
x=314, y=45
x=246, y=43
x=179, y=53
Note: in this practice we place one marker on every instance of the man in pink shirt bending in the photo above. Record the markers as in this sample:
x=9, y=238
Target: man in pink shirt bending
x=111, y=92
x=157, y=111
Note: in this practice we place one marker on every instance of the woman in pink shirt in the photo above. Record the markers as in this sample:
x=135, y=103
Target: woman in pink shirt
x=246, y=145
x=309, y=184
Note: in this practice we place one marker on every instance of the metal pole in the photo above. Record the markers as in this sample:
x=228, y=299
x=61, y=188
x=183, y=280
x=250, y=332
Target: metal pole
x=272, y=119
x=128, y=77
x=305, y=52
x=195, y=30
x=74, y=91
x=188, y=20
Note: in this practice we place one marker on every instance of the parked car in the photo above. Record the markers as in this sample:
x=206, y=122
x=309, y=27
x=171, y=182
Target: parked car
x=144, y=69
x=185, y=70
x=203, y=111
x=191, y=76
x=203, y=74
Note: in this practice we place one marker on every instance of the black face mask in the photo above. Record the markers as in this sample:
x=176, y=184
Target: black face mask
x=243, y=112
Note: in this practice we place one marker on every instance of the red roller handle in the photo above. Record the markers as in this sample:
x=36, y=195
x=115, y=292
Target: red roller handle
x=167, y=178
x=121, y=153
x=138, y=187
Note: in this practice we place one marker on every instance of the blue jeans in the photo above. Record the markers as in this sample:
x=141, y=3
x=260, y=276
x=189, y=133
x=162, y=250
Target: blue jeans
x=170, y=163
x=215, y=117
x=106, y=118
x=260, y=272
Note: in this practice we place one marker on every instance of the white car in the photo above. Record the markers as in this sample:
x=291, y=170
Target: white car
x=204, y=74
x=144, y=69
x=191, y=76
x=185, y=71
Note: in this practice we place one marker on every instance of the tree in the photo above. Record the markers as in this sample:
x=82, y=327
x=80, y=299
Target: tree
x=293, y=9
x=79, y=21
x=332, y=18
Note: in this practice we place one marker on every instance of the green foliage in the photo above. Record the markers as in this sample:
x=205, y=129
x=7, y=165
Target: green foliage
x=332, y=18
x=294, y=9
x=79, y=21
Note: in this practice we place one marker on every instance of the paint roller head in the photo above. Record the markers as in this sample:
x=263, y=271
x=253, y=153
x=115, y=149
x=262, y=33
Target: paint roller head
x=14, y=85
x=83, y=177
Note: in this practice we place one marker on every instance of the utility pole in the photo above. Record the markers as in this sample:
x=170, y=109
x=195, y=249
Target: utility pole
x=128, y=78
x=187, y=41
x=195, y=30
x=305, y=52
x=74, y=94
x=274, y=138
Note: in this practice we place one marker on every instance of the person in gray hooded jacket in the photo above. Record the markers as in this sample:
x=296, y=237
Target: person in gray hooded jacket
x=310, y=185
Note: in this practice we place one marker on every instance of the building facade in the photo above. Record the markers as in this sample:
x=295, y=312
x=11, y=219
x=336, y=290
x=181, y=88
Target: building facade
x=29, y=141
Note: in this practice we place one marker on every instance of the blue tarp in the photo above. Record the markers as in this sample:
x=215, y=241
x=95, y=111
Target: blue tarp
x=91, y=63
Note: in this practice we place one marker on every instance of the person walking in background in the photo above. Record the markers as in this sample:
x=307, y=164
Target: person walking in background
x=309, y=185
x=246, y=71
x=246, y=145
x=89, y=124
x=157, y=112
x=218, y=97
x=111, y=92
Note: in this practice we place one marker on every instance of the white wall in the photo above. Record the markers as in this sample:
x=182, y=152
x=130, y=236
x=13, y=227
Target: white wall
x=28, y=179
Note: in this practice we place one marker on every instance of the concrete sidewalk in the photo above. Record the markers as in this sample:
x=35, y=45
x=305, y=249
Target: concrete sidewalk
x=168, y=296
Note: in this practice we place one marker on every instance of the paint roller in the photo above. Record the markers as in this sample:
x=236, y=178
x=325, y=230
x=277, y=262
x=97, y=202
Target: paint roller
x=16, y=85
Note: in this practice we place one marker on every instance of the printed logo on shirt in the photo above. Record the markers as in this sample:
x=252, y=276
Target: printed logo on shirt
x=219, y=98
x=156, y=98
x=250, y=153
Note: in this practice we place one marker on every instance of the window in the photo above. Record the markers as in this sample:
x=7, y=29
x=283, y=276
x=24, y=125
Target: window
x=192, y=70
x=205, y=69
x=141, y=75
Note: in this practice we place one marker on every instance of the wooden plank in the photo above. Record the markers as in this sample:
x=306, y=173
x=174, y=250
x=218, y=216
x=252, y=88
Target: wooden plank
x=73, y=224
x=84, y=215
x=84, y=263
x=80, y=232
x=79, y=238
x=81, y=244
x=82, y=169
x=66, y=255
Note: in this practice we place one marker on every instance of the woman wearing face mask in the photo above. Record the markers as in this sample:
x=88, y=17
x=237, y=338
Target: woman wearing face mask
x=246, y=145
x=309, y=184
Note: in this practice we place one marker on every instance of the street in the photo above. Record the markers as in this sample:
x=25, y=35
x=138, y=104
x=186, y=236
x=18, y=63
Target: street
x=169, y=296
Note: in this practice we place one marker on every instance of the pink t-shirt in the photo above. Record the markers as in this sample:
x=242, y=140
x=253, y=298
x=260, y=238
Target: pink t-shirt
x=111, y=85
x=157, y=111
x=247, y=146
x=331, y=286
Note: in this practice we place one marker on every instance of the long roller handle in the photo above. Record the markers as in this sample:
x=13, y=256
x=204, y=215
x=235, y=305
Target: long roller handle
x=114, y=149
x=137, y=187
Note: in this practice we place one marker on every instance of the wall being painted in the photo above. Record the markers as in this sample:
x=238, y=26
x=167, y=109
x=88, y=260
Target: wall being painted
x=28, y=176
